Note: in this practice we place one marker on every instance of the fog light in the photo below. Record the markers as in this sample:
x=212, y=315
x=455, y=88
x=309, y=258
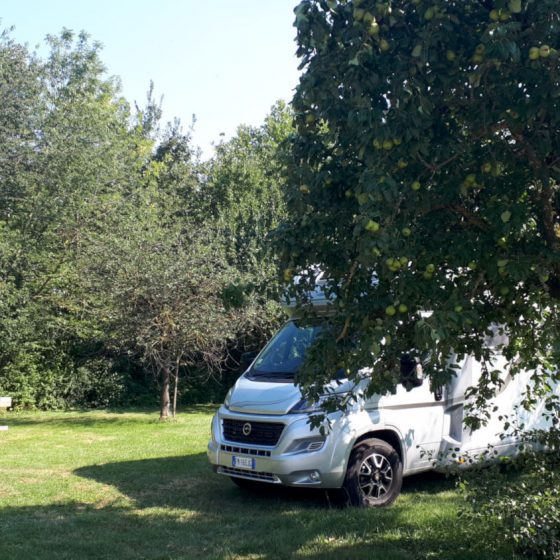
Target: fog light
x=315, y=476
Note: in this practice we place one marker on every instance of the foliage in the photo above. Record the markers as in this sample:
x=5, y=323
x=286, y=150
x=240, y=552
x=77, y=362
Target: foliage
x=424, y=182
x=521, y=497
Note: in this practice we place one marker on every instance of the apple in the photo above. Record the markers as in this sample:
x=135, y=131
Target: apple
x=470, y=179
x=388, y=145
x=534, y=53
x=544, y=51
x=504, y=291
x=430, y=268
x=403, y=261
x=477, y=58
x=427, y=275
x=486, y=167
x=429, y=14
x=390, y=310
x=372, y=226
x=401, y=164
x=494, y=15
x=403, y=308
x=458, y=308
x=504, y=15
x=515, y=6
x=373, y=29
x=359, y=14
x=502, y=263
x=416, y=186
x=505, y=216
x=384, y=45
x=451, y=56
x=304, y=189
x=397, y=141
x=368, y=18
x=377, y=144
x=472, y=265
x=480, y=49
x=288, y=274
x=406, y=232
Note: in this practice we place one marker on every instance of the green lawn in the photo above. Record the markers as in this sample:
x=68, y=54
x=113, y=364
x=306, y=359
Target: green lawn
x=123, y=485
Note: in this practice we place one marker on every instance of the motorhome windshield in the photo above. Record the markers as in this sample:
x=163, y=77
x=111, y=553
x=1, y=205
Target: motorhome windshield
x=283, y=355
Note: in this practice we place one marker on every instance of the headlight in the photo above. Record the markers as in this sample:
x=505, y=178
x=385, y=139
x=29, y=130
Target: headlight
x=304, y=407
x=228, y=398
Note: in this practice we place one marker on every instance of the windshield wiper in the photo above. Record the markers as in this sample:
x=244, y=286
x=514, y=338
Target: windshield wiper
x=271, y=375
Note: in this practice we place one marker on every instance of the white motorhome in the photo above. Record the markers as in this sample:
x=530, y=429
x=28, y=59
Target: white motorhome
x=261, y=434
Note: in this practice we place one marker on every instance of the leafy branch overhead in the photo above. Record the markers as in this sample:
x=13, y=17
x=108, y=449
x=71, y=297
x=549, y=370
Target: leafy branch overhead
x=425, y=176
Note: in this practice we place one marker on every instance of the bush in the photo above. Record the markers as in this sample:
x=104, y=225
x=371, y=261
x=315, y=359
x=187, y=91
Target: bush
x=521, y=497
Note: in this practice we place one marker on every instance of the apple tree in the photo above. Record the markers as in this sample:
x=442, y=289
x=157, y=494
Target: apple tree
x=425, y=182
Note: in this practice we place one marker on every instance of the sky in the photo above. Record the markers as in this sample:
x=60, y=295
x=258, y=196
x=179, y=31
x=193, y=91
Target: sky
x=225, y=61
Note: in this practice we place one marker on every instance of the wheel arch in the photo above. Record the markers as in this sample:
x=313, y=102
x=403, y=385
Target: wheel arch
x=388, y=436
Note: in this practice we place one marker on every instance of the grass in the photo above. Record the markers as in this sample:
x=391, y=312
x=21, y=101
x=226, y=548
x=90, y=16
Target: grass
x=118, y=485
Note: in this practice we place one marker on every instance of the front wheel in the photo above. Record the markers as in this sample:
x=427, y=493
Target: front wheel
x=374, y=474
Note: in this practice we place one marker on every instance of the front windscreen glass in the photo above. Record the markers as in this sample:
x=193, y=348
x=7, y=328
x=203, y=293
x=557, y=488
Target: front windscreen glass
x=284, y=354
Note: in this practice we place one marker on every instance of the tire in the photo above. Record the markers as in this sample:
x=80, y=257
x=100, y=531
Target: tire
x=374, y=474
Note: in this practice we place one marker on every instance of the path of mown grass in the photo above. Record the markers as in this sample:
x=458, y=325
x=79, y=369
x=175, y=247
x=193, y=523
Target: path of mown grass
x=123, y=485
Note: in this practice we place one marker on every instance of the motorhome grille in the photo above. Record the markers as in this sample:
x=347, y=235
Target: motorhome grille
x=257, y=433
x=251, y=475
x=245, y=451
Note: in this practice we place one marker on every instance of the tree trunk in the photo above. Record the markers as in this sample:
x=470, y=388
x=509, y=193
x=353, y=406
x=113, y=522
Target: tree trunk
x=175, y=385
x=165, y=378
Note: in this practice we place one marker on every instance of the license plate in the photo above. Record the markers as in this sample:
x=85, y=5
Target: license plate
x=243, y=462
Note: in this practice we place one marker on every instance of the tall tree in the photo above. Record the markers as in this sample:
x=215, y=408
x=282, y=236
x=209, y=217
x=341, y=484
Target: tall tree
x=425, y=180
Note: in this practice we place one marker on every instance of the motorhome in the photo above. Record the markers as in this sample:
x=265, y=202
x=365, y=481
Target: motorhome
x=262, y=435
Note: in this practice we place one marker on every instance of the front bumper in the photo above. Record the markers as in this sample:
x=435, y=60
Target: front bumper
x=295, y=460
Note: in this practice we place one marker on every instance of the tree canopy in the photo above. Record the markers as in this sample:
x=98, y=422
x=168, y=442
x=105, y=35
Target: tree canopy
x=424, y=181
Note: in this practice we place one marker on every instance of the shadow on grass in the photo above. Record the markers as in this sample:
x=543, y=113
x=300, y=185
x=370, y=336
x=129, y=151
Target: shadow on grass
x=180, y=509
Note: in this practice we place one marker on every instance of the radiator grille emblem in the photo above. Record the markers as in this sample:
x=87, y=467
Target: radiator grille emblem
x=246, y=429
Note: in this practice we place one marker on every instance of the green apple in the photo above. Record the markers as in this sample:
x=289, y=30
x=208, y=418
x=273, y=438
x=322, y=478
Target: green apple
x=534, y=53
x=429, y=14
x=401, y=164
x=397, y=141
x=407, y=232
x=514, y=6
x=416, y=186
x=504, y=291
x=480, y=49
x=388, y=145
x=372, y=226
x=458, y=308
x=472, y=265
x=403, y=261
x=304, y=189
x=427, y=275
x=359, y=14
x=384, y=45
x=377, y=144
x=544, y=51
x=288, y=274
x=373, y=29
x=368, y=18
x=403, y=308
x=494, y=15
x=502, y=263
x=390, y=310
x=451, y=56
x=486, y=167
x=430, y=268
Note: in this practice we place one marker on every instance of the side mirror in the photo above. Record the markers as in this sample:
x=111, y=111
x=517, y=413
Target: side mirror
x=411, y=372
x=247, y=359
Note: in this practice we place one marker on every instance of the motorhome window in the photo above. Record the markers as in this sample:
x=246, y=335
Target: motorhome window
x=284, y=354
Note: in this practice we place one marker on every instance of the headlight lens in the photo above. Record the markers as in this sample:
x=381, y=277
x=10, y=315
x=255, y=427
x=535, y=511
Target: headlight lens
x=304, y=407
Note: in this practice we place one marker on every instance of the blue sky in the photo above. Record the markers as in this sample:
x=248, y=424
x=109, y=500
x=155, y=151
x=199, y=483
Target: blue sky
x=227, y=61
